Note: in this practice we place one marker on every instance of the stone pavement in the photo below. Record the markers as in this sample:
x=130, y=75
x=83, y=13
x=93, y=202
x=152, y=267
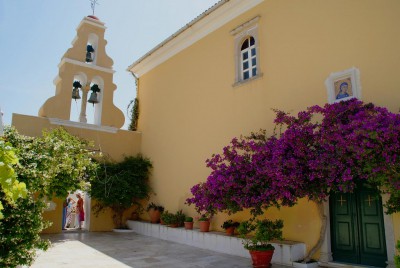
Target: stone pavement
x=118, y=250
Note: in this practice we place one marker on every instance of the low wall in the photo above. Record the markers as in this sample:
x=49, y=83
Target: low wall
x=286, y=252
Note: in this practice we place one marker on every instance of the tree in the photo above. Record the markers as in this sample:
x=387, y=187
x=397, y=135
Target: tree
x=49, y=166
x=11, y=188
x=352, y=143
x=54, y=164
x=120, y=185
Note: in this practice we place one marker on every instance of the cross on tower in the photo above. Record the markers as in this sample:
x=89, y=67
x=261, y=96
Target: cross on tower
x=93, y=4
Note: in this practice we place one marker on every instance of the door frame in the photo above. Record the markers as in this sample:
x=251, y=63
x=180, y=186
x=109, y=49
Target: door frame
x=326, y=250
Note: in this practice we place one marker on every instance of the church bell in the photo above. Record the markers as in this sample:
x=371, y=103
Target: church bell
x=75, y=93
x=89, y=56
x=93, y=98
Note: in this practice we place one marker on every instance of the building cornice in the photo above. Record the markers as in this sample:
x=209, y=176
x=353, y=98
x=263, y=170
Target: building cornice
x=90, y=66
x=215, y=17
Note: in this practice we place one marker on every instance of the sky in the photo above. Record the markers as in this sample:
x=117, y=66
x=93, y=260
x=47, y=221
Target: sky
x=34, y=35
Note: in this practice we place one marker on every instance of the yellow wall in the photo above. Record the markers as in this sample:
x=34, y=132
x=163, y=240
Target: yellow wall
x=113, y=145
x=190, y=110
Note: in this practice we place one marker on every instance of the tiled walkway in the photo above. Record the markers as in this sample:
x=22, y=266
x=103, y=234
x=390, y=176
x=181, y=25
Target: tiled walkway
x=116, y=250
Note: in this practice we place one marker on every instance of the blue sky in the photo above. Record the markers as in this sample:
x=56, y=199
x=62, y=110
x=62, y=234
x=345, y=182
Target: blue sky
x=34, y=35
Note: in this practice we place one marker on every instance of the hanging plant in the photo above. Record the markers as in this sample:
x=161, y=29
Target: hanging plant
x=77, y=84
x=95, y=88
x=89, y=48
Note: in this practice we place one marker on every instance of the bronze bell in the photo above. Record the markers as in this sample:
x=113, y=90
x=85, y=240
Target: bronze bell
x=93, y=98
x=75, y=93
x=89, y=56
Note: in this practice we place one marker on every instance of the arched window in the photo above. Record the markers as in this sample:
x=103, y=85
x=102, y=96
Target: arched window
x=247, y=52
x=248, y=58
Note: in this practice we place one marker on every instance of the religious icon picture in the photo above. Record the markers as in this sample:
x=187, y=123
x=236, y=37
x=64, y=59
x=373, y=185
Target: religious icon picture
x=343, y=88
x=343, y=85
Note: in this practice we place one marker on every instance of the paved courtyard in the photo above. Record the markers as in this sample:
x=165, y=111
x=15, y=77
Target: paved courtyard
x=117, y=250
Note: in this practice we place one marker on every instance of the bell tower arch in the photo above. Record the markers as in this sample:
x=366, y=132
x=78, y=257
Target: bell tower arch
x=84, y=84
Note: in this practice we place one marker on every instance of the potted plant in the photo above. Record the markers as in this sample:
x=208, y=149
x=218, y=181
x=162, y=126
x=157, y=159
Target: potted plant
x=155, y=212
x=204, y=223
x=258, y=244
x=180, y=218
x=168, y=218
x=188, y=223
x=230, y=226
x=173, y=220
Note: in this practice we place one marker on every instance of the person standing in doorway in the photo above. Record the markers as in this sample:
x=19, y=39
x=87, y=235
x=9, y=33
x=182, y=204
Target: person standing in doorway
x=65, y=210
x=79, y=210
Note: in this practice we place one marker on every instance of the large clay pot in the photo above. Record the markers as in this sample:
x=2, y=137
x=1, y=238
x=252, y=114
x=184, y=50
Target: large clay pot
x=154, y=216
x=204, y=226
x=261, y=258
x=188, y=225
x=230, y=230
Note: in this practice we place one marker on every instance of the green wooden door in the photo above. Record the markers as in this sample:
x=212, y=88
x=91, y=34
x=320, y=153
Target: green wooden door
x=357, y=229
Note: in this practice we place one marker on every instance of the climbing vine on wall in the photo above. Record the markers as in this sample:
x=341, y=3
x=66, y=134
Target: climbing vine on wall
x=133, y=114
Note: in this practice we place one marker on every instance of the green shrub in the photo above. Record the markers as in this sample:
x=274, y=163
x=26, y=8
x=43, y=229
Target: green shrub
x=121, y=185
x=49, y=166
x=265, y=231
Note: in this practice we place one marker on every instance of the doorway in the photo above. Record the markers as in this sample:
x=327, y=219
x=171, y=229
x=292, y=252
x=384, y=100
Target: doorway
x=357, y=227
x=70, y=218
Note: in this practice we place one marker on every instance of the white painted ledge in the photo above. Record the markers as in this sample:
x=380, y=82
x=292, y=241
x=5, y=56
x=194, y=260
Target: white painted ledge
x=67, y=123
x=285, y=251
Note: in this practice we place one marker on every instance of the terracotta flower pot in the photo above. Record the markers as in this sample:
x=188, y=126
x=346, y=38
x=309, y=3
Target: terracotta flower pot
x=204, y=226
x=261, y=258
x=154, y=216
x=173, y=225
x=188, y=225
x=230, y=230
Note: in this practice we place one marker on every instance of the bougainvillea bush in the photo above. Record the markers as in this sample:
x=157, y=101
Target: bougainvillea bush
x=321, y=150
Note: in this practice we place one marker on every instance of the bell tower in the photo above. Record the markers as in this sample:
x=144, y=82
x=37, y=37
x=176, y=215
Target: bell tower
x=86, y=77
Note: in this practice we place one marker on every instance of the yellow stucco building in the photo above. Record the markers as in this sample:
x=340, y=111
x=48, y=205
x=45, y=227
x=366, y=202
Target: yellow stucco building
x=219, y=77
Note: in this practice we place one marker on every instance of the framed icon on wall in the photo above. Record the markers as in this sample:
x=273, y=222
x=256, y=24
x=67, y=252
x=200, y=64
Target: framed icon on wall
x=343, y=85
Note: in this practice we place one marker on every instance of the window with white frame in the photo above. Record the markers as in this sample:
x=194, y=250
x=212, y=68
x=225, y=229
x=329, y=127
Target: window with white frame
x=248, y=58
x=247, y=64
